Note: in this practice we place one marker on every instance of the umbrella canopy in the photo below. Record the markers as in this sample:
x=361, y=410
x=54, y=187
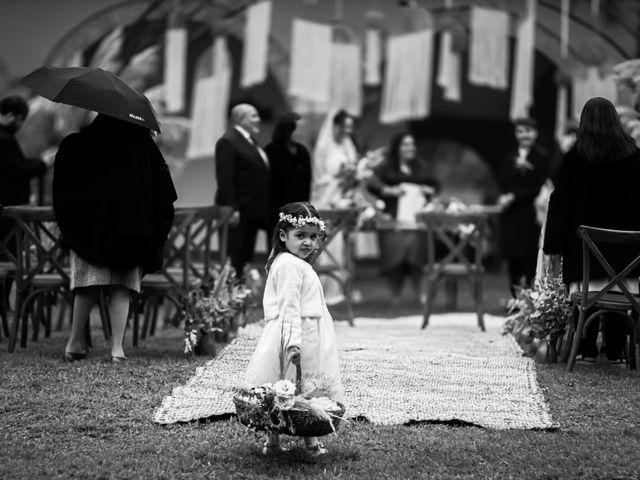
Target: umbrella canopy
x=93, y=89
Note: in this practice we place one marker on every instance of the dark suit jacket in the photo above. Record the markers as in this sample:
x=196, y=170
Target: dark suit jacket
x=519, y=231
x=598, y=195
x=16, y=171
x=243, y=177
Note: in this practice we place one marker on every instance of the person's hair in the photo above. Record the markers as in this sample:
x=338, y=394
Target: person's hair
x=525, y=122
x=240, y=111
x=394, y=149
x=14, y=104
x=340, y=116
x=601, y=136
x=295, y=209
x=285, y=126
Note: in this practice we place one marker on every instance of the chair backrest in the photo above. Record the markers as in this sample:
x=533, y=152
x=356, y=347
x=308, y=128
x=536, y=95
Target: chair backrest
x=208, y=221
x=39, y=243
x=177, y=252
x=457, y=232
x=591, y=236
x=339, y=222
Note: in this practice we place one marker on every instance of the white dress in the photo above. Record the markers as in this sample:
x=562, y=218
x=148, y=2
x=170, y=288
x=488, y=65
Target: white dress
x=295, y=315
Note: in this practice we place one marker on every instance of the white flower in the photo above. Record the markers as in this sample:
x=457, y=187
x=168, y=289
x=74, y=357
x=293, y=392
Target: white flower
x=284, y=388
x=284, y=403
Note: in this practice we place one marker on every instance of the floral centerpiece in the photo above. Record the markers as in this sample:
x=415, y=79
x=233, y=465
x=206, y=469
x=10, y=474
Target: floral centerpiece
x=540, y=316
x=302, y=408
x=213, y=307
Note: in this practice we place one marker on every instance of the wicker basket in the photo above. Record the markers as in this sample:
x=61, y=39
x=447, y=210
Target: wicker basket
x=300, y=423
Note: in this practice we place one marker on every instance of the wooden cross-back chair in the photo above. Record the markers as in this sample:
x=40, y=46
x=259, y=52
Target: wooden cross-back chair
x=463, y=235
x=41, y=273
x=340, y=223
x=623, y=303
x=187, y=260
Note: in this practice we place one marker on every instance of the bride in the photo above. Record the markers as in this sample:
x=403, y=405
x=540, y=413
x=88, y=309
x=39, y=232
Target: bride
x=335, y=161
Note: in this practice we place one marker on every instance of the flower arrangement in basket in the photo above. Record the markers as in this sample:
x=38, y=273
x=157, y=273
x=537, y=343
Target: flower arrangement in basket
x=540, y=315
x=300, y=409
x=213, y=307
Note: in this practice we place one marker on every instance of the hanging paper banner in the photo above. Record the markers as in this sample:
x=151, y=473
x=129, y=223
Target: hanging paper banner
x=561, y=105
x=175, y=68
x=522, y=83
x=373, y=57
x=255, y=57
x=210, y=104
x=488, y=55
x=407, y=83
x=310, y=68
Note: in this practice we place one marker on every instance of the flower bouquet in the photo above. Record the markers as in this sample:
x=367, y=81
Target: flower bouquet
x=540, y=316
x=301, y=409
x=213, y=308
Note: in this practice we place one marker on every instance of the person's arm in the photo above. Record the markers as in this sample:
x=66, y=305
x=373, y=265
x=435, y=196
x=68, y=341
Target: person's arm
x=555, y=228
x=15, y=165
x=225, y=158
x=288, y=286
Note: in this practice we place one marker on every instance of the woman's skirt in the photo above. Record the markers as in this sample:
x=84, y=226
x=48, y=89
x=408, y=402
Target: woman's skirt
x=85, y=274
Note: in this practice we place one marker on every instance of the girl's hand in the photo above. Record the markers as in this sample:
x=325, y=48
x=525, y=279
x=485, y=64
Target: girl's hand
x=294, y=355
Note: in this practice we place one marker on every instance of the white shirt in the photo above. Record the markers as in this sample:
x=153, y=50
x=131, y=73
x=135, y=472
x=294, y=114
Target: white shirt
x=246, y=135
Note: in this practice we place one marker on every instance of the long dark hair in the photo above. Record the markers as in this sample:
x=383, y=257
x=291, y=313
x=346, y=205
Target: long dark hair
x=601, y=137
x=295, y=209
x=393, y=157
x=285, y=126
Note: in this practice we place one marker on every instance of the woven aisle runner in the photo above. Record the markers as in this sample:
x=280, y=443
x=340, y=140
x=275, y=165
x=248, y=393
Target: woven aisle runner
x=394, y=373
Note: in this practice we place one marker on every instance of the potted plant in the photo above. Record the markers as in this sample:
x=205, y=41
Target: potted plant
x=539, y=318
x=213, y=311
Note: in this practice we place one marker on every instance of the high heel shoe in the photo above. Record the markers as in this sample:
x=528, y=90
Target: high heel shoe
x=70, y=357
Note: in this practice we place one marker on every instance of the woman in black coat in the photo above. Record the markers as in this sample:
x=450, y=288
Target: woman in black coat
x=290, y=164
x=113, y=199
x=597, y=186
x=403, y=253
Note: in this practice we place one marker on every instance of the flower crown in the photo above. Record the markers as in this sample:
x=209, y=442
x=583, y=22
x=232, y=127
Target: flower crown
x=301, y=221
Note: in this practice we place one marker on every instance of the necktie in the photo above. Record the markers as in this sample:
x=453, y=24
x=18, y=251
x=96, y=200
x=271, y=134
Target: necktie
x=260, y=150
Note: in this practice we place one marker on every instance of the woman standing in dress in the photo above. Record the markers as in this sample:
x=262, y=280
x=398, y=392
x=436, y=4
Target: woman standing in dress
x=403, y=253
x=335, y=161
x=290, y=164
x=113, y=199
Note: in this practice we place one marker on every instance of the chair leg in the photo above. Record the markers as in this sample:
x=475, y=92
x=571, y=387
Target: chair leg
x=451, y=294
x=133, y=314
x=13, y=335
x=428, y=303
x=104, y=314
x=577, y=336
x=479, y=301
x=51, y=298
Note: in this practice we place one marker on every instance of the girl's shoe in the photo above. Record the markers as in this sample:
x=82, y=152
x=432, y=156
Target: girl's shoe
x=317, y=450
x=275, y=449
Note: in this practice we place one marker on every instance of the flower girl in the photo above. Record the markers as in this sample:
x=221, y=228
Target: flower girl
x=299, y=328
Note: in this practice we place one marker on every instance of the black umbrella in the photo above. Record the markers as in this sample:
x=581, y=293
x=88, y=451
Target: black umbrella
x=94, y=89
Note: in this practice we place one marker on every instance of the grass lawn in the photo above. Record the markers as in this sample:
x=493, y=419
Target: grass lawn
x=92, y=420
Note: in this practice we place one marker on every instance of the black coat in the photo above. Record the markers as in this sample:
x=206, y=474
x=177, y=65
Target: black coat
x=16, y=171
x=603, y=195
x=242, y=176
x=290, y=173
x=519, y=231
x=113, y=195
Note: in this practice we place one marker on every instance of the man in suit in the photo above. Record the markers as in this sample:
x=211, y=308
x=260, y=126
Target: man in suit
x=16, y=171
x=243, y=175
x=522, y=174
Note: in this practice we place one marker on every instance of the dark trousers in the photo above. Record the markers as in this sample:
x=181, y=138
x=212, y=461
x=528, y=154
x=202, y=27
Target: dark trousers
x=614, y=332
x=522, y=271
x=241, y=242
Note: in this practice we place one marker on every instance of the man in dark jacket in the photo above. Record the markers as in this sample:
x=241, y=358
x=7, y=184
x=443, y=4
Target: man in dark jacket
x=522, y=173
x=243, y=177
x=16, y=171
